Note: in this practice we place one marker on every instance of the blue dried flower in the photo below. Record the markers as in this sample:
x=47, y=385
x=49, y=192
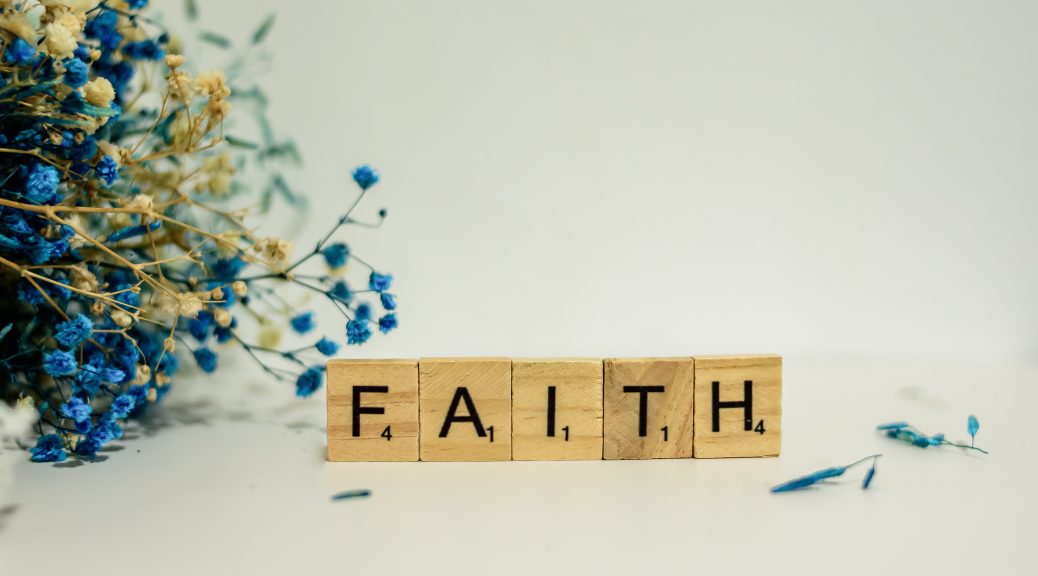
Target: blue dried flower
x=365, y=176
x=136, y=4
x=387, y=323
x=103, y=28
x=99, y=434
x=868, y=477
x=303, y=323
x=132, y=232
x=972, y=426
x=825, y=474
x=364, y=311
x=388, y=301
x=336, y=254
x=76, y=72
x=227, y=269
x=357, y=332
x=59, y=363
x=906, y=433
x=143, y=50
x=380, y=282
x=810, y=479
x=19, y=52
x=41, y=187
x=74, y=331
x=48, y=449
x=114, y=375
x=327, y=346
x=201, y=326
x=206, y=359
x=309, y=381
x=341, y=292
x=122, y=405
x=88, y=446
x=350, y=494
x=77, y=410
x=107, y=169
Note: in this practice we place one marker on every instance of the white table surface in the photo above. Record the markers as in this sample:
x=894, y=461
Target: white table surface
x=230, y=475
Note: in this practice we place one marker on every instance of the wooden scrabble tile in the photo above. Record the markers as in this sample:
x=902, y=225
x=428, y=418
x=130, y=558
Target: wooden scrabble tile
x=738, y=406
x=648, y=408
x=465, y=409
x=372, y=410
x=557, y=409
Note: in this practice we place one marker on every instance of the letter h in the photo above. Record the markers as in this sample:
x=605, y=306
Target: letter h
x=746, y=405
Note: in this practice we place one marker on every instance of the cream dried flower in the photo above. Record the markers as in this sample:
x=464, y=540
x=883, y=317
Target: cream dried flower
x=223, y=317
x=180, y=86
x=190, y=305
x=60, y=42
x=213, y=83
x=83, y=279
x=122, y=319
x=274, y=250
x=174, y=61
x=99, y=92
x=220, y=171
x=142, y=202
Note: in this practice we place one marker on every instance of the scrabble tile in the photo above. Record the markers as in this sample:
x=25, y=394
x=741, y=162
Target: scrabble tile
x=738, y=406
x=557, y=409
x=648, y=408
x=372, y=410
x=465, y=409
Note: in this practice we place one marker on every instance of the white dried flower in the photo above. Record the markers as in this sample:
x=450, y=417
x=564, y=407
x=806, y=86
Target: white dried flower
x=60, y=41
x=99, y=92
x=174, y=61
x=142, y=202
x=222, y=317
x=190, y=305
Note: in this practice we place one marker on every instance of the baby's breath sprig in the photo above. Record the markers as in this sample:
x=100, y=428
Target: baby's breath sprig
x=828, y=473
x=905, y=432
x=119, y=251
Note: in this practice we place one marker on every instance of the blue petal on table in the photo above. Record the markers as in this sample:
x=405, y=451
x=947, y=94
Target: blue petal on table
x=351, y=494
x=813, y=478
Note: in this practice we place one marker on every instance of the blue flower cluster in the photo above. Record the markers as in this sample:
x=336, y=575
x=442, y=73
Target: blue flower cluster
x=109, y=286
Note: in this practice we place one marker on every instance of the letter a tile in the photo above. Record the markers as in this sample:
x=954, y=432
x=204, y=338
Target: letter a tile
x=648, y=408
x=738, y=406
x=373, y=410
x=466, y=409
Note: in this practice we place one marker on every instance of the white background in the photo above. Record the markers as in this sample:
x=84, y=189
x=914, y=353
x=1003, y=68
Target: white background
x=850, y=184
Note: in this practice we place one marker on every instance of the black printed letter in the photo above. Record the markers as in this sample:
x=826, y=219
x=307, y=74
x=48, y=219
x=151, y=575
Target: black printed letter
x=551, y=411
x=643, y=405
x=746, y=405
x=357, y=410
x=462, y=393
